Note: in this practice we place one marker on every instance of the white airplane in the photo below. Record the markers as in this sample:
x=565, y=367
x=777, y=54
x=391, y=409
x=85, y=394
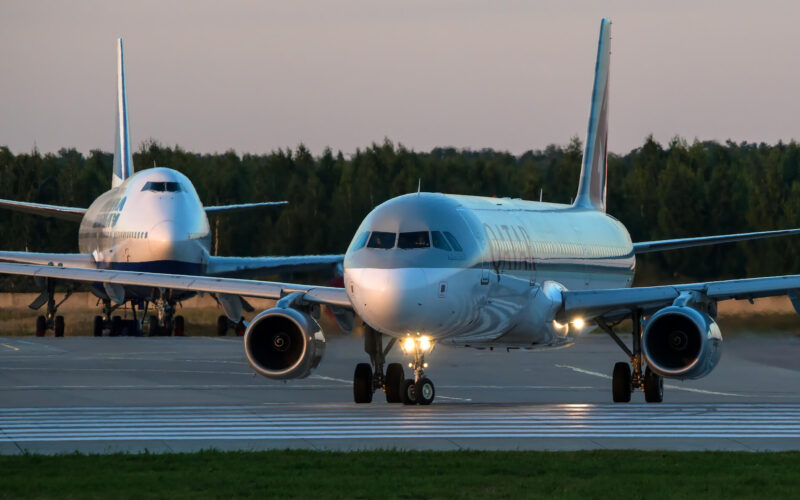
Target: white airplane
x=151, y=221
x=427, y=268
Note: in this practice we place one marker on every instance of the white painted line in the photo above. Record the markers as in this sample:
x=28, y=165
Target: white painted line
x=10, y=347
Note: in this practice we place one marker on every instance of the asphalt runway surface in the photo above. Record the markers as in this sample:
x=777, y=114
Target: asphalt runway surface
x=184, y=394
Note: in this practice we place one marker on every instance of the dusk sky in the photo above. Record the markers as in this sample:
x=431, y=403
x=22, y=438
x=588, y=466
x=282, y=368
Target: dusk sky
x=508, y=75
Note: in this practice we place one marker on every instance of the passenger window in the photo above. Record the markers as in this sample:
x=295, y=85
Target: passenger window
x=416, y=239
x=359, y=241
x=439, y=241
x=381, y=240
x=453, y=241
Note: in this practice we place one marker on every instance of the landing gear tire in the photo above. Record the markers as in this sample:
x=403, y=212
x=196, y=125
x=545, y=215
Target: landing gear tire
x=653, y=386
x=362, y=383
x=58, y=327
x=621, y=383
x=41, y=326
x=424, y=391
x=179, y=326
x=152, y=326
x=222, y=326
x=116, y=326
x=394, y=379
x=97, y=326
x=408, y=392
x=239, y=329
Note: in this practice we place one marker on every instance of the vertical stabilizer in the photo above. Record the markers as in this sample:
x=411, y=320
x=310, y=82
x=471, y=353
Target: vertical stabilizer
x=123, y=161
x=592, y=187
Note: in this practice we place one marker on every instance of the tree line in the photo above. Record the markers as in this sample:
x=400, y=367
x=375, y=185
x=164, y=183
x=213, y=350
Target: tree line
x=658, y=191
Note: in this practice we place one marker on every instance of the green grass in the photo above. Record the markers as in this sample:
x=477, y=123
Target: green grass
x=390, y=474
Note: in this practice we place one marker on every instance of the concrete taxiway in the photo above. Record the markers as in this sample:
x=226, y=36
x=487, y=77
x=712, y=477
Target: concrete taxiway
x=179, y=394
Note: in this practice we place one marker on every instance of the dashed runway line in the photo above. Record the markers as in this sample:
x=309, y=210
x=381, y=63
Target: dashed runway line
x=347, y=421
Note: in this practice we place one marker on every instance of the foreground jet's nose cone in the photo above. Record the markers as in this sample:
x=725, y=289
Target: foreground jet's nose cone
x=393, y=300
x=166, y=240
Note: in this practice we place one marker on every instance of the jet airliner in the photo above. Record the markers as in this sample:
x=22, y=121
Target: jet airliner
x=151, y=221
x=431, y=268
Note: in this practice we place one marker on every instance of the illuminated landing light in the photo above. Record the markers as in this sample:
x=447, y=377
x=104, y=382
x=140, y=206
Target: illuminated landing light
x=408, y=345
x=558, y=325
x=424, y=343
x=578, y=323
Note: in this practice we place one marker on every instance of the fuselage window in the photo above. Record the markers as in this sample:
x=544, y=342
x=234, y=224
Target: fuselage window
x=416, y=239
x=453, y=241
x=439, y=241
x=359, y=241
x=381, y=240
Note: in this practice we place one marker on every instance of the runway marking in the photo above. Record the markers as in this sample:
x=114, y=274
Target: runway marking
x=668, y=386
x=10, y=347
x=382, y=421
x=455, y=399
x=332, y=379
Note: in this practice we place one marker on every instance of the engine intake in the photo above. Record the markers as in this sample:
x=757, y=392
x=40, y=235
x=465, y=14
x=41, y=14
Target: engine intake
x=681, y=342
x=284, y=343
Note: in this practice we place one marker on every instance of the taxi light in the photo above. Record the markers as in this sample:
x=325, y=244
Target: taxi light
x=408, y=345
x=424, y=343
x=578, y=323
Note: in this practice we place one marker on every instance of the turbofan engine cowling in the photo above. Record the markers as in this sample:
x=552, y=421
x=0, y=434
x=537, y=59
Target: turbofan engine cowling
x=681, y=342
x=284, y=343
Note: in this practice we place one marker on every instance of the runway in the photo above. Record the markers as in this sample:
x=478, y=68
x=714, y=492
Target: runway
x=182, y=394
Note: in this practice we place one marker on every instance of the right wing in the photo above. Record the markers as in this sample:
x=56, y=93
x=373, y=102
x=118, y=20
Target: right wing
x=250, y=266
x=662, y=245
x=59, y=212
x=248, y=288
x=80, y=260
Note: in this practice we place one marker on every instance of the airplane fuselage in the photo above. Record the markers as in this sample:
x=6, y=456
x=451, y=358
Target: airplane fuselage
x=153, y=221
x=493, y=284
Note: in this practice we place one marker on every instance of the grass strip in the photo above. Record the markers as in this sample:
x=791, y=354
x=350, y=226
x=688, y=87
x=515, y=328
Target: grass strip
x=403, y=474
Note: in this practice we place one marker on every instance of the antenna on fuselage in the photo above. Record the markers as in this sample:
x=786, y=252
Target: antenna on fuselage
x=419, y=185
x=541, y=190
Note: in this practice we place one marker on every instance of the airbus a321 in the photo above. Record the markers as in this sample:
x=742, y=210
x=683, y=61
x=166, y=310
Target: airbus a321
x=428, y=268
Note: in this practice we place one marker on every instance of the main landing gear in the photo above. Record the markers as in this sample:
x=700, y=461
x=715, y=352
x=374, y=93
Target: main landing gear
x=628, y=377
x=369, y=377
x=50, y=320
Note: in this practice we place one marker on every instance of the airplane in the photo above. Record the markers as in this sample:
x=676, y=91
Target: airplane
x=430, y=268
x=154, y=221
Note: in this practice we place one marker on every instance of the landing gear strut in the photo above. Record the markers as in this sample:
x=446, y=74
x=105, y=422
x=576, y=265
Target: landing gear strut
x=369, y=377
x=627, y=378
x=49, y=320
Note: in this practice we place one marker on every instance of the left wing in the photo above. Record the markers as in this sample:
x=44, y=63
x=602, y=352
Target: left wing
x=242, y=207
x=660, y=246
x=618, y=303
x=248, y=288
x=250, y=266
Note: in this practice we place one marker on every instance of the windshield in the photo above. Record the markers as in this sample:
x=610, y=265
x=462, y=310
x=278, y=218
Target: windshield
x=417, y=239
x=170, y=187
x=381, y=240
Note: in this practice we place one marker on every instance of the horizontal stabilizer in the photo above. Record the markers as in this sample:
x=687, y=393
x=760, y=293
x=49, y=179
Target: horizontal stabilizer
x=242, y=207
x=67, y=213
x=253, y=266
x=662, y=245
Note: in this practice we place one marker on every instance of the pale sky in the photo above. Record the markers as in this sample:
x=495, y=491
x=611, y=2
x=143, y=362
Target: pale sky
x=509, y=75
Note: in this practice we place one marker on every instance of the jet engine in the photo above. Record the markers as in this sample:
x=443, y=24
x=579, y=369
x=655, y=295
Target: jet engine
x=681, y=342
x=284, y=343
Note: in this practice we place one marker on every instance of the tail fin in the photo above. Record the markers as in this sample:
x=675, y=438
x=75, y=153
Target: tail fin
x=592, y=187
x=123, y=161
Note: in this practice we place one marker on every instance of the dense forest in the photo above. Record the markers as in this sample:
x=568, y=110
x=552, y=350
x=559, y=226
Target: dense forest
x=657, y=191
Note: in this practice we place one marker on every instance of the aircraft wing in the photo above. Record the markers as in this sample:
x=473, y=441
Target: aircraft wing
x=242, y=207
x=248, y=288
x=249, y=266
x=660, y=246
x=59, y=212
x=80, y=260
x=618, y=303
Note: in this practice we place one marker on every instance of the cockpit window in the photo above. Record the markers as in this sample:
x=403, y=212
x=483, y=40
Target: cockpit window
x=453, y=241
x=359, y=241
x=439, y=241
x=381, y=240
x=417, y=239
x=170, y=187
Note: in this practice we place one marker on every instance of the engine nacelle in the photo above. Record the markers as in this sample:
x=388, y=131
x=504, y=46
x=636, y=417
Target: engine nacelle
x=681, y=342
x=284, y=343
